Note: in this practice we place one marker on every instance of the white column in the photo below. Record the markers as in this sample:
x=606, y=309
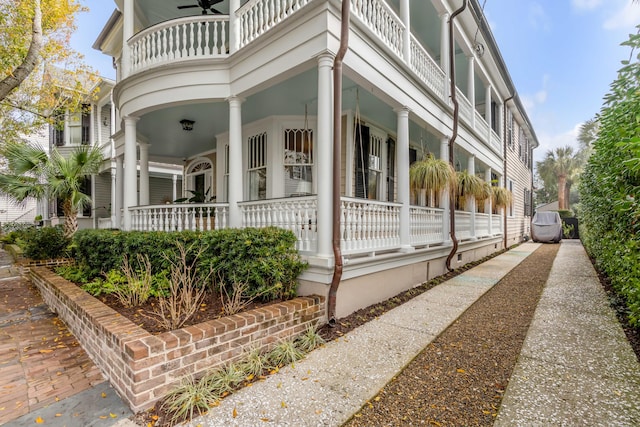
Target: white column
x=144, y=173
x=471, y=201
x=444, y=195
x=234, y=26
x=119, y=190
x=444, y=53
x=93, y=126
x=128, y=29
x=130, y=169
x=114, y=190
x=405, y=17
x=488, y=208
x=487, y=111
x=175, y=187
x=471, y=89
x=324, y=151
x=235, y=161
x=402, y=160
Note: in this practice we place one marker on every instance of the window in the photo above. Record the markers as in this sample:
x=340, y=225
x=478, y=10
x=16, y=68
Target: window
x=257, y=167
x=298, y=162
x=199, y=177
x=79, y=126
x=527, y=202
x=369, y=163
x=509, y=128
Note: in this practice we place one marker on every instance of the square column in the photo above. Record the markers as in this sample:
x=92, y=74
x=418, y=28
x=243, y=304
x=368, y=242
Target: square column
x=130, y=169
x=119, y=194
x=444, y=53
x=471, y=89
x=488, y=204
x=405, y=17
x=235, y=161
x=144, y=173
x=128, y=16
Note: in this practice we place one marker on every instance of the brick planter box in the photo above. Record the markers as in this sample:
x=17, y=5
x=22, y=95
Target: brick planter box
x=144, y=367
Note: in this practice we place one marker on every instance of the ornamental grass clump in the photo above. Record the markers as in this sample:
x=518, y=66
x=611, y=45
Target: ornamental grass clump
x=310, y=340
x=284, y=353
x=191, y=398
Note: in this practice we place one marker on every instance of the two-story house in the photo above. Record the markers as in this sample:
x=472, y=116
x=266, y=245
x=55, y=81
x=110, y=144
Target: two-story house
x=240, y=93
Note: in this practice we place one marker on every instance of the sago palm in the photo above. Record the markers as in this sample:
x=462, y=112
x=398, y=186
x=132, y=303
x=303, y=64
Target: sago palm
x=31, y=172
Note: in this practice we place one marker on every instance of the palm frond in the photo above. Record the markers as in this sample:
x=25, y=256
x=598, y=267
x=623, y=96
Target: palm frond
x=431, y=174
x=468, y=185
x=501, y=197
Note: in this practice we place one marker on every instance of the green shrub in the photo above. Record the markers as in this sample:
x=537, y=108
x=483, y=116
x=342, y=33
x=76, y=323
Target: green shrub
x=264, y=258
x=45, y=243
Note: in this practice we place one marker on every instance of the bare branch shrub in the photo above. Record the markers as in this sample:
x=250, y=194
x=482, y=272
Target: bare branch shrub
x=186, y=290
x=237, y=299
x=137, y=287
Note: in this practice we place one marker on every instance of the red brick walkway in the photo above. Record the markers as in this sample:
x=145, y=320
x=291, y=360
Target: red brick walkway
x=40, y=360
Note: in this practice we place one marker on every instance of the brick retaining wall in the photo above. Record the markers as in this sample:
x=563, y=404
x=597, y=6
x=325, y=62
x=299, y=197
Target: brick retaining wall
x=144, y=367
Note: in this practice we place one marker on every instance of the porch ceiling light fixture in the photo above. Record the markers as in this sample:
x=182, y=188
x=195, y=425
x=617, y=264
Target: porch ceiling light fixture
x=187, y=124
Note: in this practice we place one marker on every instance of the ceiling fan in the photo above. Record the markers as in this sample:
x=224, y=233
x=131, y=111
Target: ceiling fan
x=205, y=5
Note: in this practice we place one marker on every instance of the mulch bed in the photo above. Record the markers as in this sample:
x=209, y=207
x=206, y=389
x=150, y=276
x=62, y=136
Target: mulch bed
x=459, y=379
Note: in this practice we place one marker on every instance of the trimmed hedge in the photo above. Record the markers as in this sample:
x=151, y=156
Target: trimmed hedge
x=264, y=258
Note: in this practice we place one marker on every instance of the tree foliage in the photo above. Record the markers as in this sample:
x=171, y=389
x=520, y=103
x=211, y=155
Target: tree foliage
x=31, y=172
x=610, y=185
x=558, y=170
x=40, y=74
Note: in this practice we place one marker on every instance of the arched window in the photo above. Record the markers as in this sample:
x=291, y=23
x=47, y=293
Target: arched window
x=199, y=180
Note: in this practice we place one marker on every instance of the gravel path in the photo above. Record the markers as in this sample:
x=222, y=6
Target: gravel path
x=460, y=377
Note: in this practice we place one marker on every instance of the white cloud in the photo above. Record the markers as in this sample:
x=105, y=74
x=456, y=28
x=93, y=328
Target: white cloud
x=538, y=18
x=538, y=98
x=585, y=4
x=625, y=18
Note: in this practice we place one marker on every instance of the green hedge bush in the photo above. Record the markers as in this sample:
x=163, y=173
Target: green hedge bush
x=39, y=243
x=264, y=258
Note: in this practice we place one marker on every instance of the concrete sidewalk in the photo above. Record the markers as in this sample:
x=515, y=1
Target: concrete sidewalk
x=333, y=382
x=576, y=367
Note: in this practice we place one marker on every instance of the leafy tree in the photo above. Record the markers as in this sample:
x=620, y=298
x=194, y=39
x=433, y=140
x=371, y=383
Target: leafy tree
x=32, y=173
x=34, y=46
x=610, y=185
x=560, y=165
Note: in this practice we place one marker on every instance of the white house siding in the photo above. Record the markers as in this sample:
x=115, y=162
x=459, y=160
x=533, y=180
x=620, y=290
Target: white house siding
x=518, y=224
x=161, y=190
x=102, y=207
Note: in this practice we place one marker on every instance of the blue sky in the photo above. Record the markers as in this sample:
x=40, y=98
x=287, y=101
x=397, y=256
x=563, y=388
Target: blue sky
x=562, y=55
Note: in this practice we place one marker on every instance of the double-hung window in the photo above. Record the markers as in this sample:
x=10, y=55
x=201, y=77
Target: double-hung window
x=298, y=162
x=257, y=167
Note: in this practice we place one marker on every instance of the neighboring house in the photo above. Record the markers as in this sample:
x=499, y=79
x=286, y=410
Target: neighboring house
x=549, y=207
x=242, y=96
x=10, y=211
x=94, y=125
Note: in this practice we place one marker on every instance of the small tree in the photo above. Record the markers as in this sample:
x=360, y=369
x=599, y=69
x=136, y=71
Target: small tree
x=30, y=172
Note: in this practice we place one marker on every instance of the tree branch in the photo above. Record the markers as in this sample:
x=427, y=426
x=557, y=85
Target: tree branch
x=32, y=58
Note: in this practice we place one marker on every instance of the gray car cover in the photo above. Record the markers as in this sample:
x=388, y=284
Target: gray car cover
x=546, y=227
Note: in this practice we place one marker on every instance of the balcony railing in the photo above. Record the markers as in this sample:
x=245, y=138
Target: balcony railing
x=427, y=69
x=256, y=17
x=426, y=226
x=194, y=37
x=299, y=215
x=179, y=217
x=368, y=226
x=463, y=225
x=482, y=225
x=382, y=20
x=496, y=224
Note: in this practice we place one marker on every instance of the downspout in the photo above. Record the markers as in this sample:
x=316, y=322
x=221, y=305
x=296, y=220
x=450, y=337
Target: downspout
x=454, y=134
x=337, y=134
x=504, y=160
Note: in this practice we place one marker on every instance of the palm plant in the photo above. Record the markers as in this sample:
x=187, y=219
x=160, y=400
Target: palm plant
x=486, y=192
x=31, y=172
x=468, y=185
x=558, y=165
x=431, y=174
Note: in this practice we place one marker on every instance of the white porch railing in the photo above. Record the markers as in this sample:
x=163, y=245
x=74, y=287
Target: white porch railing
x=368, y=226
x=426, y=68
x=466, y=109
x=382, y=20
x=482, y=224
x=426, y=225
x=194, y=37
x=463, y=225
x=256, y=17
x=104, y=223
x=481, y=126
x=496, y=223
x=496, y=144
x=179, y=217
x=298, y=214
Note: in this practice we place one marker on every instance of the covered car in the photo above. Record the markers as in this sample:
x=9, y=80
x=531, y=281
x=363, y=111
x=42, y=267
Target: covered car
x=546, y=227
